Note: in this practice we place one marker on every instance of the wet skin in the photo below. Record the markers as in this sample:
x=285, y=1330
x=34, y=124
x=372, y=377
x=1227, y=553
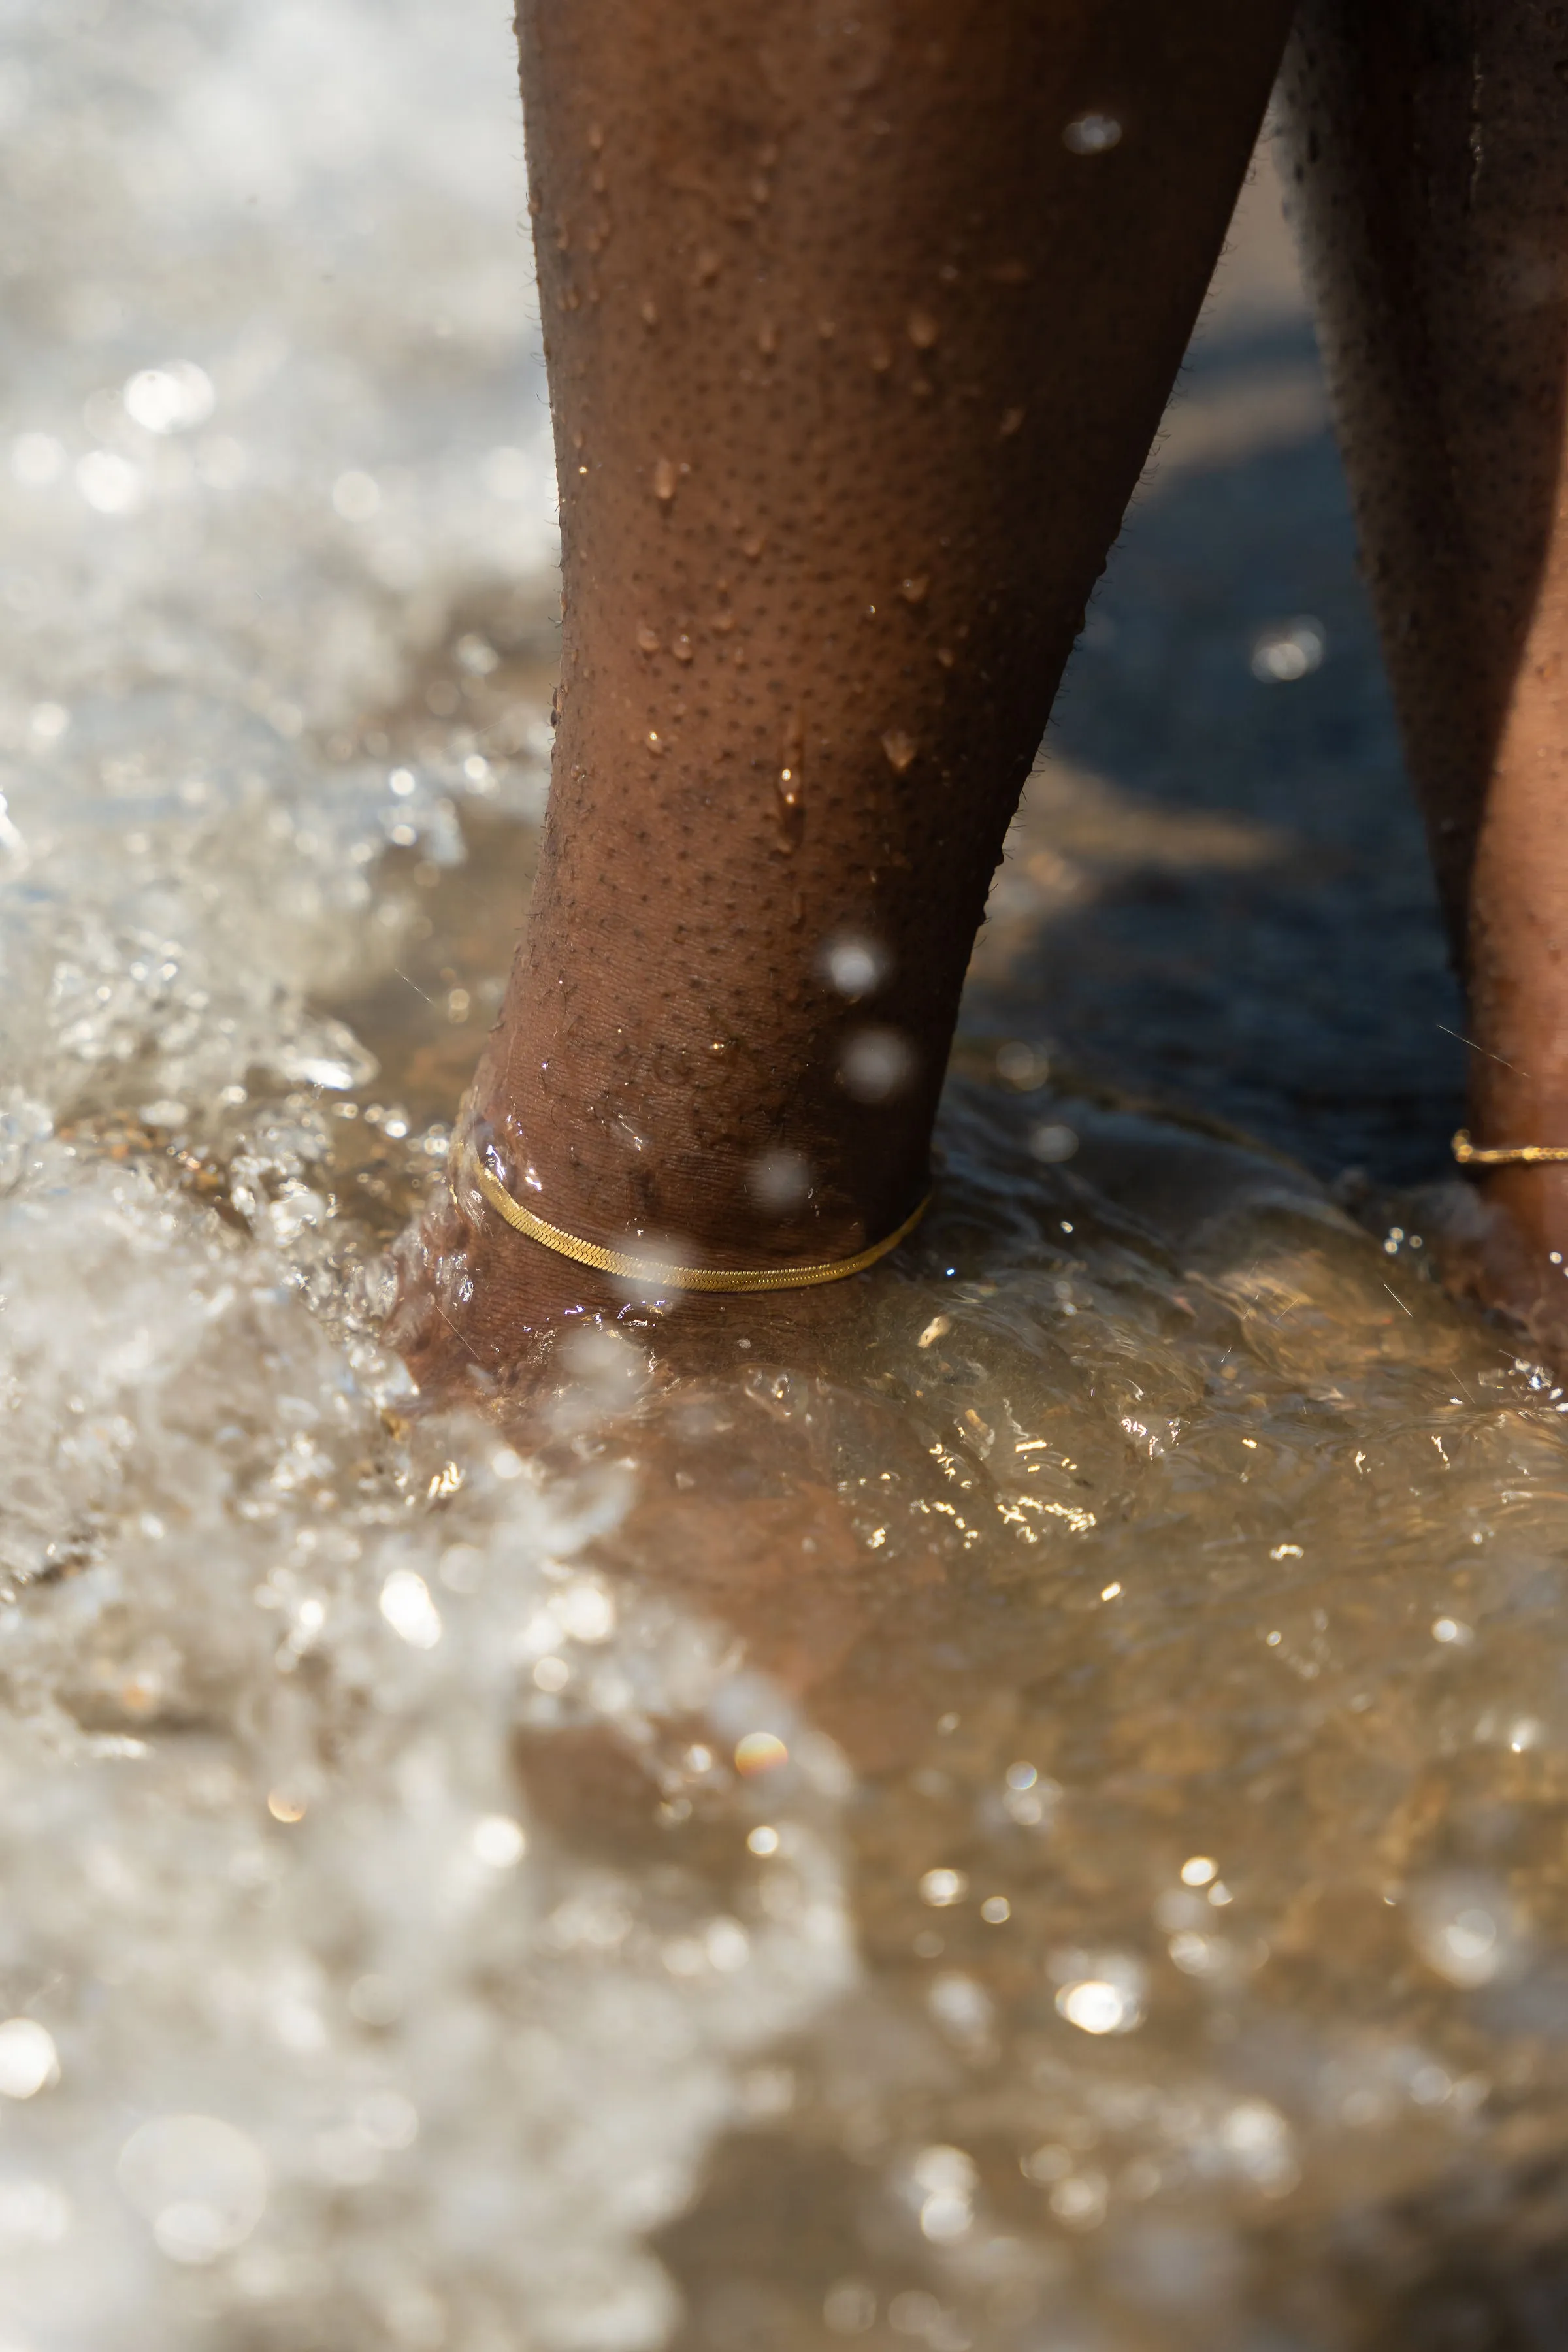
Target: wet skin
x=857, y=335
x=1427, y=146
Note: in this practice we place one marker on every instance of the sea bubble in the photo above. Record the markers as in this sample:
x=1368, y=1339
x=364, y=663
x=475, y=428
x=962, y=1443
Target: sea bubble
x=406, y=1605
x=1099, y=1993
x=498, y=1840
x=1023, y=1066
x=36, y=460
x=28, y=2062
x=511, y=475
x=1292, y=649
x=169, y=399
x=199, y=2183
x=356, y=496
x=1052, y=1142
x=1465, y=1928
x=109, y=483
x=945, y=2180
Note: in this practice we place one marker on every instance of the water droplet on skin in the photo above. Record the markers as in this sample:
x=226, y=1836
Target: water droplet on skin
x=779, y=1180
x=650, y=314
x=921, y=329
x=945, y=656
x=900, y=749
x=876, y=1064
x=665, y=480
x=826, y=329
x=647, y=640
x=682, y=647
x=791, y=783
x=854, y=965
x=881, y=355
x=914, y=589
x=708, y=266
x=595, y=137
x=1011, y=420
x=1092, y=134
x=752, y=547
x=767, y=339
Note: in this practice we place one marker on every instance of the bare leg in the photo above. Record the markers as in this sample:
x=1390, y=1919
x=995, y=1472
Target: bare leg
x=1429, y=142
x=859, y=328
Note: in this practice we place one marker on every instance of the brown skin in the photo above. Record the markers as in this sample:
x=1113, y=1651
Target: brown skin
x=855, y=357
x=854, y=361
x=1428, y=142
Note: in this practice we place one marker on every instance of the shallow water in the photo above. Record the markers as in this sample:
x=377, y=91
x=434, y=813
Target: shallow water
x=1040, y=1828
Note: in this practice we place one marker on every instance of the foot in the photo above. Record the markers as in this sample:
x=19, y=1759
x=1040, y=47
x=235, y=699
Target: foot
x=1506, y=1248
x=482, y=1311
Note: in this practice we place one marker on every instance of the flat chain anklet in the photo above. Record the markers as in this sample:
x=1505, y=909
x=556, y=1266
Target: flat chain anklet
x=1512, y=1155
x=683, y=1277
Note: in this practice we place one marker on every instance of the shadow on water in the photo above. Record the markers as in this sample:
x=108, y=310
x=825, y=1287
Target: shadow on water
x=1247, y=922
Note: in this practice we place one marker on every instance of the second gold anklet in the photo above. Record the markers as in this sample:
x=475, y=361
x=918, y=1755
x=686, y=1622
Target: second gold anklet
x=1511, y=1155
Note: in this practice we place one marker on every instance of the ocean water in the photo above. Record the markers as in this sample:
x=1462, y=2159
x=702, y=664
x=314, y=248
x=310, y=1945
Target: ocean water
x=1039, y=1830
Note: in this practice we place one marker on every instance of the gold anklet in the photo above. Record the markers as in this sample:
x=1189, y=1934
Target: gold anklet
x=1528, y=1155
x=683, y=1277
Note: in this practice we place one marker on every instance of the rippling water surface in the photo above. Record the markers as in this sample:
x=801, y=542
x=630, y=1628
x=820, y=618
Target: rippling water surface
x=1041, y=1827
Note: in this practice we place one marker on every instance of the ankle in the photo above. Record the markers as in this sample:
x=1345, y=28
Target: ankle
x=619, y=1117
